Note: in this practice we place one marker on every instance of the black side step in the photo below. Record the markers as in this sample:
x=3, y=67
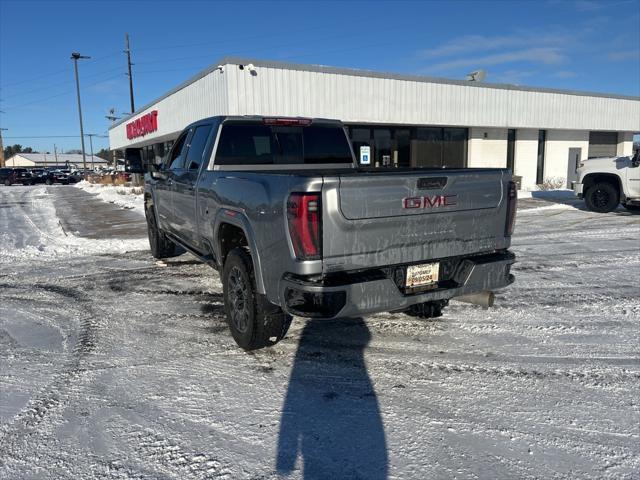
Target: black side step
x=209, y=259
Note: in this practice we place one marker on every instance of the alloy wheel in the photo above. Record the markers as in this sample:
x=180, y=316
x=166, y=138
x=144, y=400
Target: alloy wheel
x=600, y=198
x=238, y=299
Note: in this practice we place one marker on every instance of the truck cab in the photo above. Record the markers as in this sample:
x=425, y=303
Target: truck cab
x=606, y=182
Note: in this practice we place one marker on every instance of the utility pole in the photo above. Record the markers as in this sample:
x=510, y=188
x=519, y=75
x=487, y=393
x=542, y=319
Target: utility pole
x=2, y=146
x=55, y=152
x=91, y=135
x=75, y=56
x=2, y=159
x=128, y=52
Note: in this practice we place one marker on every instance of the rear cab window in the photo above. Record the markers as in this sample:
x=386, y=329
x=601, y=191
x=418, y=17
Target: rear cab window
x=246, y=144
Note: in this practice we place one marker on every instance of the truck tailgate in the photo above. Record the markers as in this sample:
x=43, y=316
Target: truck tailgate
x=378, y=219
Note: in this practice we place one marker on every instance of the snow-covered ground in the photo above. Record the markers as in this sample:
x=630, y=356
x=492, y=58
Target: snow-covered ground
x=30, y=227
x=114, y=367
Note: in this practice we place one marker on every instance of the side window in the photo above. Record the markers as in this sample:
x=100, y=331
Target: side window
x=244, y=145
x=176, y=157
x=196, y=149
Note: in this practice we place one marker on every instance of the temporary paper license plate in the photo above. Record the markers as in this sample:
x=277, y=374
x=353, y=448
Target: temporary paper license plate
x=422, y=275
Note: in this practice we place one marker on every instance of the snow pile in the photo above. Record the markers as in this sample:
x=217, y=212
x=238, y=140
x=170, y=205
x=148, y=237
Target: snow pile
x=125, y=197
x=553, y=206
x=36, y=232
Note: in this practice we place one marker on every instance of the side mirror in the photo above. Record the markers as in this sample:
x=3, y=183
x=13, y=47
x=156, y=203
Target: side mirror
x=635, y=161
x=133, y=160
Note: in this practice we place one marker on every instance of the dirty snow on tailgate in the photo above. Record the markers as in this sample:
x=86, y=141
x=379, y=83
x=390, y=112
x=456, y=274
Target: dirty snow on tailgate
x=113, y=366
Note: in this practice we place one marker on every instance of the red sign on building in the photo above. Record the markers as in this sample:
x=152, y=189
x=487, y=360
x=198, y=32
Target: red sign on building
x=141, y=126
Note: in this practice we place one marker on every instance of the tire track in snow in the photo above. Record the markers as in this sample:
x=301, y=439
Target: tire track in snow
x=56, y=393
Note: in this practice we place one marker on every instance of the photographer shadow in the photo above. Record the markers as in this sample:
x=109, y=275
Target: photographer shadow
x=331, y=418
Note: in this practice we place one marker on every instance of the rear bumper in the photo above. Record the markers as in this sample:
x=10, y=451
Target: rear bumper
x=577, y=188
x=473, y=274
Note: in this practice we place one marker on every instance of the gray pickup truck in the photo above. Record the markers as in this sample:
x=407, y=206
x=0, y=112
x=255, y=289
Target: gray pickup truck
x=281, y=208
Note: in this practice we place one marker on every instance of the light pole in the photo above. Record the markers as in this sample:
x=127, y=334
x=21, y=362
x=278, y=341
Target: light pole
x=2, y=146
x=91, y=135
x=75, y=56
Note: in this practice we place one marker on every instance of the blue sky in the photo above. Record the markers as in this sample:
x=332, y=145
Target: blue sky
x=583, y=45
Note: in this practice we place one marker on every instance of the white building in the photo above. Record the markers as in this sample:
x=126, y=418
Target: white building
x=406, y=120
x=43, y=160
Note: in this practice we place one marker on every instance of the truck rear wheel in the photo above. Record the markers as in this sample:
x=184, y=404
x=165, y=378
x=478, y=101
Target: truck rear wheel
x=602, y=197
x=161, y=246
x=254, y=321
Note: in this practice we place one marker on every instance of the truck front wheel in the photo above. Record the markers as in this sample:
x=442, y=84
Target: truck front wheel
x=602, y=197
x=254, y=321
x=161, y=246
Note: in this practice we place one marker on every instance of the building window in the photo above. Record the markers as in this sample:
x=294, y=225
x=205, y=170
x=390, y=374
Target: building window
x=454, y=147
x=603, y=144
x=427, y=148
x=511, y=148
x=415, y=147
x=542, y=136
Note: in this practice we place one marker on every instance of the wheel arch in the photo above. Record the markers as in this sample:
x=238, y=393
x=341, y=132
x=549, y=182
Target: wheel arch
x=593, y=178
x=232, y=229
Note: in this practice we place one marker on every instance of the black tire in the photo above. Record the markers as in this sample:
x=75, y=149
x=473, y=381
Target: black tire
x=602, y=197
x=254, y=321
x=48, y=181
x=632, y=208
x=7, y=183
x=161, y=246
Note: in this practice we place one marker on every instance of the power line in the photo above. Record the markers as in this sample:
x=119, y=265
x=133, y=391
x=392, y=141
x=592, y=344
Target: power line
x=70, y=92
x=251, y=51
x=232, y=40
x=91, y=75
x=44, y=136
x=57, y=72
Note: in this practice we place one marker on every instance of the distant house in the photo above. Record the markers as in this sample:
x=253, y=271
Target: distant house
x=42, y=160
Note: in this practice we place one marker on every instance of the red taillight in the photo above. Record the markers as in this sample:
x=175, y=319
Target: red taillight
x=512, y=203
x=303, y=122
x=304, y=216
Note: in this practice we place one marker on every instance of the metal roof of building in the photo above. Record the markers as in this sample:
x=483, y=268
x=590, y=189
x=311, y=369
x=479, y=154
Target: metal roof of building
x=59, y=159
x=230, y=60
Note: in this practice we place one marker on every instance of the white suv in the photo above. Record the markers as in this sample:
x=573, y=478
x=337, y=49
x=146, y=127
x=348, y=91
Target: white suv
x=606, y=182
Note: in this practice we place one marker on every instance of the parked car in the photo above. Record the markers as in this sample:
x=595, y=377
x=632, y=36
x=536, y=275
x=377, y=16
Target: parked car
x=10, y=176
x=280, y=208
x=605, y=183
x=38, y=175
x=75, y=176
x=57, y=176
x=5, y=173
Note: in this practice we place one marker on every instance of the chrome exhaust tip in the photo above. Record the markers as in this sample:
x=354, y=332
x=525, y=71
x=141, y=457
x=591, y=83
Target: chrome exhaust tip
x=484, y=299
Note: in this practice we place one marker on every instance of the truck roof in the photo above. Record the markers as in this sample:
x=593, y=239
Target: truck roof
x=261, y=118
